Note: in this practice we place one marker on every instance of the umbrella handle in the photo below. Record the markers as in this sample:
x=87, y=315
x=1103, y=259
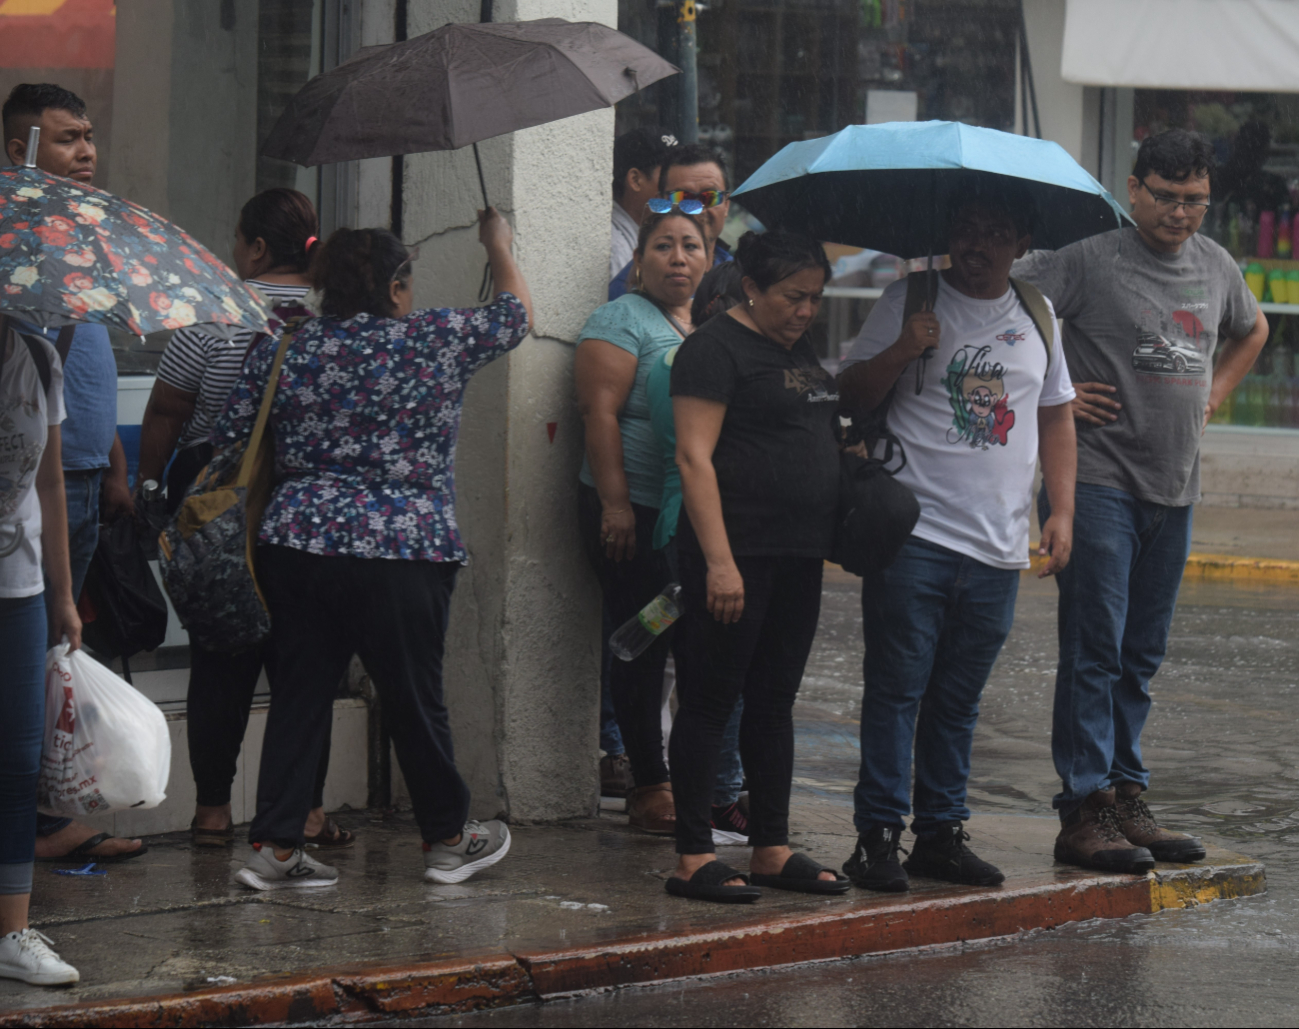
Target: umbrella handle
x=33, y=144
x=482, y=184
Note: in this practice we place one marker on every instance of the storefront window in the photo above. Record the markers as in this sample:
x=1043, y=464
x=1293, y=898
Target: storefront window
x=1256, y=194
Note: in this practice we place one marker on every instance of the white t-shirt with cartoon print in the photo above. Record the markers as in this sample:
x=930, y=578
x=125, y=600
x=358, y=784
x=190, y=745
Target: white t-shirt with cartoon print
x=26, y=413
x=970, y=435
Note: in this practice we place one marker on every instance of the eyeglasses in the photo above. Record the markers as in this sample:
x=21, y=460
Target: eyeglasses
x=1164, y=202
x=404, y=269
x=687, y=203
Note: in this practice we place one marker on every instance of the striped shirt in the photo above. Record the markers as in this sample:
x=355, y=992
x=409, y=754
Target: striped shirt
x=197, y=363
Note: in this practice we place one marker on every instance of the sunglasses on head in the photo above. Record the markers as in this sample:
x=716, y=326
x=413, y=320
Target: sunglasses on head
x=686, y=203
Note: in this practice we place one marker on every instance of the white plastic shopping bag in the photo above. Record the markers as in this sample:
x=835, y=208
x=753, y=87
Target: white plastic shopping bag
x=106, y=745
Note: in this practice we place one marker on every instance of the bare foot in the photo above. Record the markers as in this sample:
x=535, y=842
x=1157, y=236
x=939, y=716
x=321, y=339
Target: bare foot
x=213, y=816
x=771, y=861
x=70, y=837
x=689, y=864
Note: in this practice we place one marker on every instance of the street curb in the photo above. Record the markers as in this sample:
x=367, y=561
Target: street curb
x=1223, y=567
x=871, y=925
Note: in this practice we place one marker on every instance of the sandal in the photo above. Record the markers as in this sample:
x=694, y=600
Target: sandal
x=651, y=809
x=801, y=874
x=706, y=884
x=211, y=837
x=80, y=854
x=332, y=837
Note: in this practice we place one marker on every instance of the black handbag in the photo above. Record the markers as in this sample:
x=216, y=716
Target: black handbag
x=876, y=512
x=130, y=610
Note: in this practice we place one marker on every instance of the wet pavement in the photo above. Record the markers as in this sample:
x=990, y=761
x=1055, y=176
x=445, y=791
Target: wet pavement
x=1221, y=745
x=1219, y=741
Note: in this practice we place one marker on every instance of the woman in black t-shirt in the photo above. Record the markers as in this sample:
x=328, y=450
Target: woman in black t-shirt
x=754, y=413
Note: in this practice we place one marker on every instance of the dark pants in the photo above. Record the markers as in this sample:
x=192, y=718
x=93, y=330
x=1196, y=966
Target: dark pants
x=221, y=688
x=934, y=621
x=182, y=472
x=636, y=686
x=760, y=658
x=1116, y=607
x=394, y=615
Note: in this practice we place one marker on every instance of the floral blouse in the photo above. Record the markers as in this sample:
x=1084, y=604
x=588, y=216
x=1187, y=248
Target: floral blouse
x=365, y=419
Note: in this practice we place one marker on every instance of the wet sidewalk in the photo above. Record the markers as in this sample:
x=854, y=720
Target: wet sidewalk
x=169, y=940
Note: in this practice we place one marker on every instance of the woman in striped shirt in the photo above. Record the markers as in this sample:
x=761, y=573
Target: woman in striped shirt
x=274, y=239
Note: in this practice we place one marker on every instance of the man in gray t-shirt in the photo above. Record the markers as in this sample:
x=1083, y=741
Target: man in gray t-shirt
x=1144, y=311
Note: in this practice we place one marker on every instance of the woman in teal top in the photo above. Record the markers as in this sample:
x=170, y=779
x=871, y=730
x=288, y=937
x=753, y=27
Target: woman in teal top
x=622, y=480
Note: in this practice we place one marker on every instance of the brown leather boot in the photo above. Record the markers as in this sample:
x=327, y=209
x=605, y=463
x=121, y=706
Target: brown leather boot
x=651, y=809
x=1139, y=828
x=1091, y=838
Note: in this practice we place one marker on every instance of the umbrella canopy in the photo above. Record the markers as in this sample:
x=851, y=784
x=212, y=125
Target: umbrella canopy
x=71, y=253
x=460, y=84
x=887, y=186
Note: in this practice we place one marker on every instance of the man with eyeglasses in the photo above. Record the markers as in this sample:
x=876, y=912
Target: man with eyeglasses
x=692, y=178
x=1145, y=307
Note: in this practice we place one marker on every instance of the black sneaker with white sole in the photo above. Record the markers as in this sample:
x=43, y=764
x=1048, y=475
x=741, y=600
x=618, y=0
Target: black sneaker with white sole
x=730, y=825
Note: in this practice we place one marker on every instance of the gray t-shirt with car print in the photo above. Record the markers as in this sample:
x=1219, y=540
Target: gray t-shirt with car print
x=1147, y=323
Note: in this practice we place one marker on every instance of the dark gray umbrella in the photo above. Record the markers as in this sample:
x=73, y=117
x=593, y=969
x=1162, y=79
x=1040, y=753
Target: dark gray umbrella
x=460, y=84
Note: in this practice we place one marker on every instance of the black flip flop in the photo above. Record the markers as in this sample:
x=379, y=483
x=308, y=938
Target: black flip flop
x=800, y=874
x=81, y=853
x=706, y=884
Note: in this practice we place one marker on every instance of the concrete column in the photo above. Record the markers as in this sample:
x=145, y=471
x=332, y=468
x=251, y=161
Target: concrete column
x=523, y=653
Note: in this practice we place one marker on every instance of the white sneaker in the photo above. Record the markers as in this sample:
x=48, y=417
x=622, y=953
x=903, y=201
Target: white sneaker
x=481, y=845
x=264, y=871
x=28, y=956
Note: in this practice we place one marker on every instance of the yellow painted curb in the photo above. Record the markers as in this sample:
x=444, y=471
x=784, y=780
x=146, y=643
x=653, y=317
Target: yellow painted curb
x=1190, y=887
x=1223, y=567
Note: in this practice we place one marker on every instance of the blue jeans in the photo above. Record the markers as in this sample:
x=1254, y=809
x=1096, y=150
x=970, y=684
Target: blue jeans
x=1116, y=605
x=730, y=769
x=22, y=726
x=934, y=622
x=83, y=536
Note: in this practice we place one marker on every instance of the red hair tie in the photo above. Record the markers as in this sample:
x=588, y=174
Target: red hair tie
x=310, y=240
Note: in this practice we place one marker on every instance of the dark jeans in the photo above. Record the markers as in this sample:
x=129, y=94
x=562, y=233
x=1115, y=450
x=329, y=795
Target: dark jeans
x=394, y=615
x=82, y=492
x=1116, y=606
x=760, y=658
x=221, y=688
x=22, y=728
x=934, y=622
x=636, y=686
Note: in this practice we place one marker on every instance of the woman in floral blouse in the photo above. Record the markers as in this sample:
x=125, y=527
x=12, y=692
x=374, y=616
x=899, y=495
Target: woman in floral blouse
x=359, y=546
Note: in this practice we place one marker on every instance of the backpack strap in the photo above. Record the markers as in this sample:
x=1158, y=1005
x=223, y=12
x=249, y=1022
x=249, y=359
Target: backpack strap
x=1035, y=304
x=39, y=357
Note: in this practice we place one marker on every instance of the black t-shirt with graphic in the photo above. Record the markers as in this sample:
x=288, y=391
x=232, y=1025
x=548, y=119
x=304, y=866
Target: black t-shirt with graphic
x=777, y=459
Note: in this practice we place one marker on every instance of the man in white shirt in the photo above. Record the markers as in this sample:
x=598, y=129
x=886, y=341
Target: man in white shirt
x=637, y=156
x=978, y=394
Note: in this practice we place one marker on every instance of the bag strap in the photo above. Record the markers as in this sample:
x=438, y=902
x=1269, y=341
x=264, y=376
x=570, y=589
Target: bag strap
x=64, y=343
x=263, y=416
x=39, y=357
x=1035, y=304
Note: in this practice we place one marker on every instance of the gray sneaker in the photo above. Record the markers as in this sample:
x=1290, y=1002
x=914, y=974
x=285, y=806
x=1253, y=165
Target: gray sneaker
x=266, y=872
x=481, y=845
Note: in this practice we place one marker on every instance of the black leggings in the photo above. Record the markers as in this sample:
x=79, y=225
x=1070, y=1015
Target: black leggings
x=761, y=657
x=637, y=686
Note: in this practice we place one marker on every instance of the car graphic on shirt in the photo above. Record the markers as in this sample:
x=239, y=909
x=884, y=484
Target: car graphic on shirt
x=1154, y=353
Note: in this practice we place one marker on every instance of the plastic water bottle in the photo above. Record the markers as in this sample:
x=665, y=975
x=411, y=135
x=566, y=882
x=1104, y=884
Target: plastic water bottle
x=648, y=624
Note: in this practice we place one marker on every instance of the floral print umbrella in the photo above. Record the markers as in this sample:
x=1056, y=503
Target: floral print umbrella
x=71, y=253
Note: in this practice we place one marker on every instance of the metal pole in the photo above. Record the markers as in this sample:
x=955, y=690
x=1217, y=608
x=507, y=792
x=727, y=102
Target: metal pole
x=33, y=144
x=688, y=84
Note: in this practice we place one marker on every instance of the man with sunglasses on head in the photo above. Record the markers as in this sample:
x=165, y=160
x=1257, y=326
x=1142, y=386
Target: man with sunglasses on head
x=692, y=178
x=1145, y=307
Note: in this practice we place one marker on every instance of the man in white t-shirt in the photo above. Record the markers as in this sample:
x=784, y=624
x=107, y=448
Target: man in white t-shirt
x=978, y=396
